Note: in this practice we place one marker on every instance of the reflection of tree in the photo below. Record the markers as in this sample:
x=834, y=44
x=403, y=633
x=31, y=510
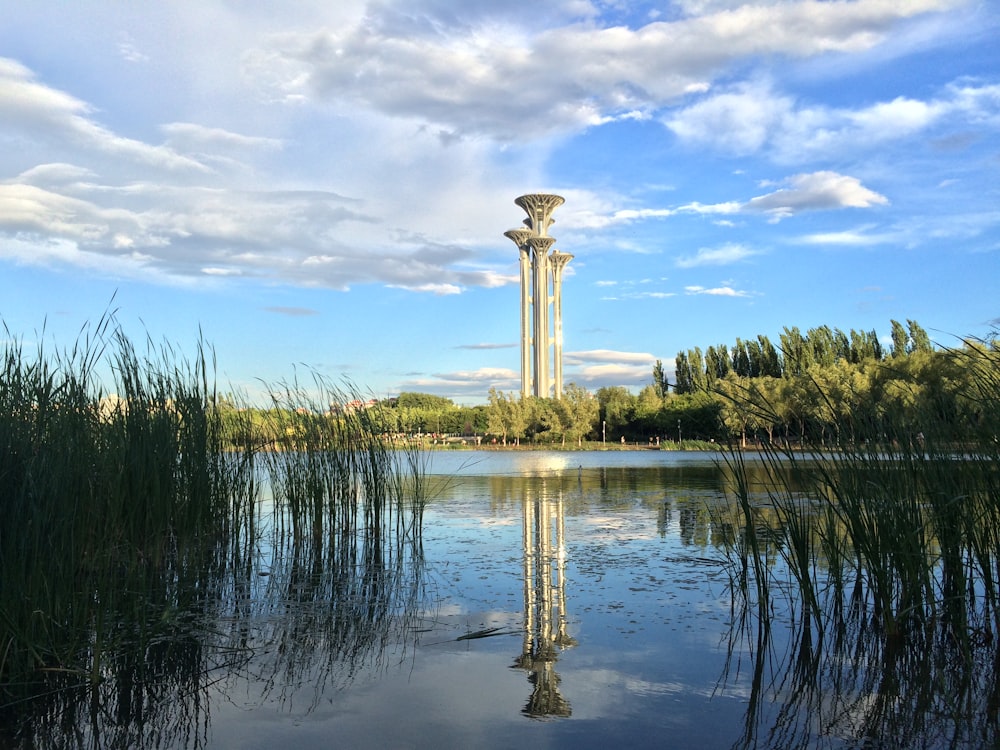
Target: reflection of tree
x=851, y=686
x=544, y=602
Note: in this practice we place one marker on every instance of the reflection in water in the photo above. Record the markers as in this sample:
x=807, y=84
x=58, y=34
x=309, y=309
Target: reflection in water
x=545, y=633
x=281, y=620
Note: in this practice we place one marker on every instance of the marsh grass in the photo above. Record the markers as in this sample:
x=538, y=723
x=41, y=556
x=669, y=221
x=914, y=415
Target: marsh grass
x=131, y=511
x=889, y=557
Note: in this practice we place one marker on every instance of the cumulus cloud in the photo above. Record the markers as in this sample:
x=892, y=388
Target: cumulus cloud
x=815, y=192
x=598, y=368
x=464, y=383
x=498, y=77
x=608, y=356
x=750, y=117
x=211, y=201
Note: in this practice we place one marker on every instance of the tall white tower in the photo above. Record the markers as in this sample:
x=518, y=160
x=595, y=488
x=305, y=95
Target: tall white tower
x=541, y=286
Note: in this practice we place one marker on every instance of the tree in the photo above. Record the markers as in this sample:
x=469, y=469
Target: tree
x=697, y=363
x=519, y=414
x=821, y=340
x=770, y=362
x=498, y=415
x=683, y=381
x=426, y=401
x=900, y=340
x=713, y=364
x=647, y=406
x=741, y=359
x=582, y=411
x=659, y=378
x=796, y=353
x=865, y=346
x=616, y=408
x=919, y=340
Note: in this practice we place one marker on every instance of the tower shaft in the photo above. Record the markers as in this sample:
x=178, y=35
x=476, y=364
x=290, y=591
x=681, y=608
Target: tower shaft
x=541, y=288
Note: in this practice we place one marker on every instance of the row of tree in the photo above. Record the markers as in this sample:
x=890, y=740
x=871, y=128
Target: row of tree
x=795, y=354
x=824, y=385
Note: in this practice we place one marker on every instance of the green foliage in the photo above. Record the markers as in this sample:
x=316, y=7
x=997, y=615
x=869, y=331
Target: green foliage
x=120, y=508
x=423, y=401
x=806, y=389
x=906, y=511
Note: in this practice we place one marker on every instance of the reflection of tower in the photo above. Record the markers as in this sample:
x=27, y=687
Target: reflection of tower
x=538, y=271
x=544, y=604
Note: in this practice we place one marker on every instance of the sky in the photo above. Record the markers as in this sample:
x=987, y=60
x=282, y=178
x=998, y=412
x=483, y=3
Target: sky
x=323, y=187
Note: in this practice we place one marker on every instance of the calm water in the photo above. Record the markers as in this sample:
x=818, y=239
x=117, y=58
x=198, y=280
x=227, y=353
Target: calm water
x=553, y=600
x=616, y=633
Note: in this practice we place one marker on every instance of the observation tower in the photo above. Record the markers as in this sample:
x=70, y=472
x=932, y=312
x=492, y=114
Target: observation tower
x=541, y=287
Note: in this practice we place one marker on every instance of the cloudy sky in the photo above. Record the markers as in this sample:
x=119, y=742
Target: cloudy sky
x=326, y=184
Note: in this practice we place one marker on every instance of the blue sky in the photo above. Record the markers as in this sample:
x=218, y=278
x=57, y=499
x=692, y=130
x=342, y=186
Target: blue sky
x=326, y=185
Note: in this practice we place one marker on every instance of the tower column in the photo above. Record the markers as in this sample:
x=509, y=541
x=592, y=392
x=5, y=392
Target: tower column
x=558, y=261
x=540, y=246
x=520, y=238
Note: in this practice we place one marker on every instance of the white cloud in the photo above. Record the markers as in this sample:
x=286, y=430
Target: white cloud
x=608, y=355
x=721, y=291
x=814, y=192
x=499, y=77
x=717, y=256
x=41, y=111
x=859, y=237
x=752, y=118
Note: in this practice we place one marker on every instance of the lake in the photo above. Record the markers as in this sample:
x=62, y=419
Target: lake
x=616, y=634
x=552, y=600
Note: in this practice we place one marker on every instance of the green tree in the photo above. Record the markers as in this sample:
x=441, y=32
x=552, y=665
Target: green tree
x=900, y=340
x=796, y=352
x=498, y=416
x=683, y=379
x=919, y=340
x=582, y=411
x=617, y=409
x=697, y=363
x=770, y=362
x=659, y=378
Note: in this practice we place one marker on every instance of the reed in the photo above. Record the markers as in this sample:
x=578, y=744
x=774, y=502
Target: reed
x=904, y=525
x=890, y=552
x=131, y=503
x=335, y=465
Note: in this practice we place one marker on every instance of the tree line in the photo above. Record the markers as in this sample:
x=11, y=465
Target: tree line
x=822, y=385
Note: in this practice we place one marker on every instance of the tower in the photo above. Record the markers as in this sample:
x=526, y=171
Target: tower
x=541, y=287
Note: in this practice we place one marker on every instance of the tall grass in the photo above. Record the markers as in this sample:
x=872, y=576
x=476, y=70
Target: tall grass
x=333, y=463
x=101, y=495
x=131, y=505
x=888, y=576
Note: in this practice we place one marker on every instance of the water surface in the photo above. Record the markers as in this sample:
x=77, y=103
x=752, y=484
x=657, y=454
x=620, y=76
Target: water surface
x=623, y=567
